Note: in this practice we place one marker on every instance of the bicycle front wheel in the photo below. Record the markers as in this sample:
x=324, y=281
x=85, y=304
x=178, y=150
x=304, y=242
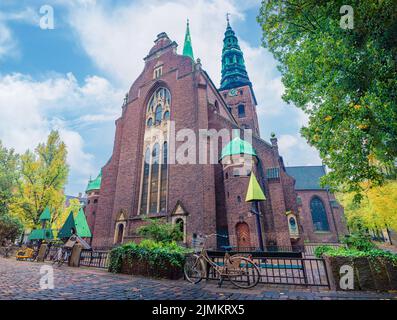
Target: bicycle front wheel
x=247, y=275
x=194, y=269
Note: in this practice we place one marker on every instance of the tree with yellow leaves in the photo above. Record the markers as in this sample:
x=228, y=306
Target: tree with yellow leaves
x=74, y=206
x=378, y=208
x=43, y=177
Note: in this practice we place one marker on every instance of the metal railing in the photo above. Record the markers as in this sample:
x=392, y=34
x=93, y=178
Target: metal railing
x=284, y=271
x=309, y=249
x=97, y=259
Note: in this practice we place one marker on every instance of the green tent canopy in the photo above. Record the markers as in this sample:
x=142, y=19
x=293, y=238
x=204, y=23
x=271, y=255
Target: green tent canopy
x=254, y=192
x=78, y=224
x=82, y=228
x=41, y=234
x=46, y=215
x=68, y=226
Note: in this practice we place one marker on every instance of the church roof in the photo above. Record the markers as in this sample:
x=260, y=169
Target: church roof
x=95, y=184
x=187, y=48
x=307, y=177
x=238, y=146
x=234, y=73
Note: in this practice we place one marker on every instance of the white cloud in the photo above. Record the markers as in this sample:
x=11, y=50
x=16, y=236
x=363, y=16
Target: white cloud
x=30, y=108
x=295, y=151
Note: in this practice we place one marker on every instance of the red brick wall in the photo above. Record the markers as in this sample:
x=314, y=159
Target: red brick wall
x=335, y=217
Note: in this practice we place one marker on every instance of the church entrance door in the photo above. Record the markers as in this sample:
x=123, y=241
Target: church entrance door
x=243, y=235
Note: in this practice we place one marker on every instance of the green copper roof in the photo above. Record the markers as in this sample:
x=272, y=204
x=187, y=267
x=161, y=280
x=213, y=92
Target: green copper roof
x=187, y=48
x=41, y=234
x=45, y=215
x=95, y=184
x=238, y=146
x=254, y=192
x=82, y=228
x=234, y=73
x=66, y=230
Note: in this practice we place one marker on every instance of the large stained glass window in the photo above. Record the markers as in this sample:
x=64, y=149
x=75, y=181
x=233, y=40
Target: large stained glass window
x=319, y=215
x=153, y=198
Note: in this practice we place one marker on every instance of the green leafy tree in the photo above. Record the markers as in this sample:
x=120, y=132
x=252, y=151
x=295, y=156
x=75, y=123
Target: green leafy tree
x=9, y=174
x=160, y=231
x=344, y=79
x=43, y=177
x=10, y=228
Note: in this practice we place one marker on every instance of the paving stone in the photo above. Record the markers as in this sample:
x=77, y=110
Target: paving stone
x=20, y=280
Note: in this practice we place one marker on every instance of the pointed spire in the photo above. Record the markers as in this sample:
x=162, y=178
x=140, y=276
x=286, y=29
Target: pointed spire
x=187, y=48
x=254, y=192
x=234, y=73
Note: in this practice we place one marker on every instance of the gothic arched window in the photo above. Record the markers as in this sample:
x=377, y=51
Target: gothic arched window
x=153, y=197
x=319, y=215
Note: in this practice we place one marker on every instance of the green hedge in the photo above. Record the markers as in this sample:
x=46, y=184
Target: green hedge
x=355, y=253
x=157, y=254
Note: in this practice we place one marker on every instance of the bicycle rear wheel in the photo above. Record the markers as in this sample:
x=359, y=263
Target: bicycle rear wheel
x=194, y=269
x=247, y=275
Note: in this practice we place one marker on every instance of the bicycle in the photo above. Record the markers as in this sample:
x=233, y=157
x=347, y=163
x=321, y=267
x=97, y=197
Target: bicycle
x=240, y=270
x=61, y=256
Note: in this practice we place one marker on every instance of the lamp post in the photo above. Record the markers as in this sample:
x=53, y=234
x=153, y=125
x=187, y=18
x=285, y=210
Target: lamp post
x=254, y=195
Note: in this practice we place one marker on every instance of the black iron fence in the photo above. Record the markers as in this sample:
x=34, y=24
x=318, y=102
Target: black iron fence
x=309, y=249
x=282, y=271
x=97, y=259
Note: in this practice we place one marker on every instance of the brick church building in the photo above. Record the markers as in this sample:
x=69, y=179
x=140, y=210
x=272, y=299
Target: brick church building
x=139, y=182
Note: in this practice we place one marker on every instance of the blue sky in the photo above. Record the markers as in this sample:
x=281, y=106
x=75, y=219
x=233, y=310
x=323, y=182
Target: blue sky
x=74, y=78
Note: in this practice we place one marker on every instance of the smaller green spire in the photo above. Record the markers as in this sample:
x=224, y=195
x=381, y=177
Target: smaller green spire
x=187, y=48
x=254, y=192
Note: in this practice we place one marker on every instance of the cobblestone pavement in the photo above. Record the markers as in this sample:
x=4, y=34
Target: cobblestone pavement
x=21, y=280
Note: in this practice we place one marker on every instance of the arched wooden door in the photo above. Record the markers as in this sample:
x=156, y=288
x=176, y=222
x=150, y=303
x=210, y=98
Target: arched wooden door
x=243, y=235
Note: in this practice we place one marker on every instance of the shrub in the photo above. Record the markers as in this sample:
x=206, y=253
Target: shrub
x=359, y=241
x=157, y=254
x=160, y=231
x=373, y=254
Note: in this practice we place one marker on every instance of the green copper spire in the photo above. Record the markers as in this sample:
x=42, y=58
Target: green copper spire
x=95, y=184
x=254, y=192
x=234, y=73
x=187, y=48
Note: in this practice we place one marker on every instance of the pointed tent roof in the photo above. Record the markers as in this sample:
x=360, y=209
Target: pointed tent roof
x=187, y=48
x=238, y=146
x=82, y=228
x=234, y=73
x=95, y=184
x=66, y=230
x=41, y=234
x=254, y=192
x=45, y=215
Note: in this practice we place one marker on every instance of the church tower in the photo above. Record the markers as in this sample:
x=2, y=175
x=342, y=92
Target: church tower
x=236, y=87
